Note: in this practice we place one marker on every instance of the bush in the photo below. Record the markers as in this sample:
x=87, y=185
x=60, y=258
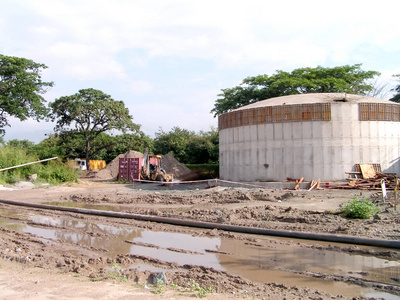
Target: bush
x=360, y=209
x=13, y=156
x=53, y=172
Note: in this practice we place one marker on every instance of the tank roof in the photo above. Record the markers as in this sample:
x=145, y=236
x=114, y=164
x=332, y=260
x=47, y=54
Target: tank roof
x=315, y=98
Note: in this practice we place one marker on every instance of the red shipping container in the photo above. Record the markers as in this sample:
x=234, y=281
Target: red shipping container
x=129, y=168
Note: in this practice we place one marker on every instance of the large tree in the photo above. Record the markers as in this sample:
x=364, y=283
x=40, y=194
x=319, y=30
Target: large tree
x=396, y=97
x=21, y=89
x=350, y=79
x=91, y=112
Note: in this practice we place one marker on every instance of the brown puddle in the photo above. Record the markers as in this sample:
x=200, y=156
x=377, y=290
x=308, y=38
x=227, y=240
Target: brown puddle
x=269, y=260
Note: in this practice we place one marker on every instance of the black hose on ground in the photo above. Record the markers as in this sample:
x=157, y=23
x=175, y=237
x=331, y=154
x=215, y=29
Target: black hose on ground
x=208, y=225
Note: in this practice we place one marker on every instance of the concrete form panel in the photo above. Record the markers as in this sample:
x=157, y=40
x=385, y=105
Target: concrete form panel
x=297, y=131
x=306, y=130
x=269, y=131
x=287, y=131
x=327, y=130
x=253, y=133
x=317, y=130
x=278, y=131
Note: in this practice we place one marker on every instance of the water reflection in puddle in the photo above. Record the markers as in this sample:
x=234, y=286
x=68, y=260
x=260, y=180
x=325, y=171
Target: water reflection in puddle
x=162, y=241
x=268, y=261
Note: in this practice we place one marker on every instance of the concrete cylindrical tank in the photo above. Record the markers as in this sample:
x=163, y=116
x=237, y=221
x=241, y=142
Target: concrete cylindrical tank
x=309, y=135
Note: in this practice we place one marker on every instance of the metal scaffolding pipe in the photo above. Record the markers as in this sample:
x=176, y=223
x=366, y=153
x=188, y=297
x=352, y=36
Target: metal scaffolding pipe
x=241, y=229
x=27, y=164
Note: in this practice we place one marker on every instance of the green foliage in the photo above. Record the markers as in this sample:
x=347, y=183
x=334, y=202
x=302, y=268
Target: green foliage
x=53, y=172
x=21, y=88
x=360, y=209
x=174, y=142
x=50, y=147
x=22, y=144
x=205, y=171
x=187, y=146
x=125, y=142
x=199, y=291
x=71, y=145
x=350, y=79
x=9, y=157
x=89, y=113
x=396, y=97
x=159, y=286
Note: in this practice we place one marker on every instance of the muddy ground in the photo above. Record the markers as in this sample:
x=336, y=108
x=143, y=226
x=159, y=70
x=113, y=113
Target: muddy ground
x=38, y=268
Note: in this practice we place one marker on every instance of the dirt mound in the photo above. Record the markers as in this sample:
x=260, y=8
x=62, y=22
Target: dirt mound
x=172, y=166
x=111, y=171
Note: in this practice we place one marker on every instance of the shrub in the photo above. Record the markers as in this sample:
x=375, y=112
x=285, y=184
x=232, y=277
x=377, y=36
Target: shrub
x=53, y=172
x=360, y=209
x=13, y=156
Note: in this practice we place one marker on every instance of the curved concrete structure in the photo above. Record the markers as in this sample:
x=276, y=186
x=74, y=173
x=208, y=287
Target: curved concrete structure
x=315, y=136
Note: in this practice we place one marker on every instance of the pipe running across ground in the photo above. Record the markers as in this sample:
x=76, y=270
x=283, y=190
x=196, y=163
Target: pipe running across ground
x=208, y=225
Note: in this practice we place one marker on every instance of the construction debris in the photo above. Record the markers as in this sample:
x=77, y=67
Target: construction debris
x=298, y=183
x=372, y=183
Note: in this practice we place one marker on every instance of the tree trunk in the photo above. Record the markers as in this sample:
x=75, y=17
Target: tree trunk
x=87, y=155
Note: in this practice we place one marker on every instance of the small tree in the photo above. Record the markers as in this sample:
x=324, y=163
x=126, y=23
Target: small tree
x=91, y=112
x=21, y=87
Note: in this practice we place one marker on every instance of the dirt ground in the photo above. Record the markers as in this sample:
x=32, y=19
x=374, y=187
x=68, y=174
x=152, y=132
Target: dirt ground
x=36, y=268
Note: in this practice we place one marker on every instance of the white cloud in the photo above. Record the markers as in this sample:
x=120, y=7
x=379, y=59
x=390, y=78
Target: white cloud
x=83, y=62
x=139, y=87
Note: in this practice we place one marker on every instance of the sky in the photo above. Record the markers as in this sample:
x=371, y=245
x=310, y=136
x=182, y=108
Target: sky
x=168, y=60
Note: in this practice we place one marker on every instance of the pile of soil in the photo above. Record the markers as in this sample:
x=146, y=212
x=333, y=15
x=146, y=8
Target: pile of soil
x=111, y=171
x=172, y=166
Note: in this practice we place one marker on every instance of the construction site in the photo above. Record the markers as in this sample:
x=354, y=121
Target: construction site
x=272, y=226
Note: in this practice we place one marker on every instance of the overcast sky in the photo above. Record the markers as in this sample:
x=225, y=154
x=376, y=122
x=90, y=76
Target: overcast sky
x=169, y=59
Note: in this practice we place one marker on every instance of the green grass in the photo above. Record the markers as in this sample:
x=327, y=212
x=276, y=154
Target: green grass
x=360, y=209
x=199, y=291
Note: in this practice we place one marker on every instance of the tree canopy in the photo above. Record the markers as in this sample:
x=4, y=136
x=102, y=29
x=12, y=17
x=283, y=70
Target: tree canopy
x=350, y=79
x=396, y=97
x=187, y=146
x=91, y=112
x=21, y=89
